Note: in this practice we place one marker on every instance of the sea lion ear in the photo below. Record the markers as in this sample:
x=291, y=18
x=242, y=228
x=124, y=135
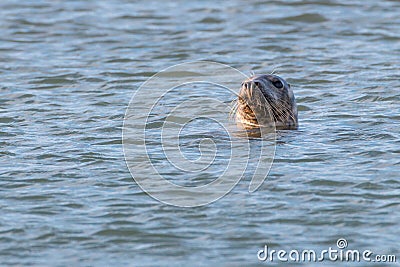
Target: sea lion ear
x=288, y=85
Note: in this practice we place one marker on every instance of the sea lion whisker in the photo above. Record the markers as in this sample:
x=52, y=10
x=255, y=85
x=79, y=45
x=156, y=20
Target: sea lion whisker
x=234, y=108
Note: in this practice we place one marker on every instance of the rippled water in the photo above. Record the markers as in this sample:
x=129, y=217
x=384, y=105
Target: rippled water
x=69, y=69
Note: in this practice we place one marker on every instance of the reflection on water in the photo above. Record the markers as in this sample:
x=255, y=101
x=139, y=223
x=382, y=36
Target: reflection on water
x=69, y=69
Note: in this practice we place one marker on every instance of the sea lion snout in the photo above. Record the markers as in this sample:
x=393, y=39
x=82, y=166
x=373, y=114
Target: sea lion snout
x=247, y=89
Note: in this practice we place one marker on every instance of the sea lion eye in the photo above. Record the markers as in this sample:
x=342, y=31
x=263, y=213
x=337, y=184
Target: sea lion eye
x=257, y=84
x=277, y=84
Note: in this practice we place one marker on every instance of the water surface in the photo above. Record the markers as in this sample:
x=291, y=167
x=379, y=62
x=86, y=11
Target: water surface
x=69, y=69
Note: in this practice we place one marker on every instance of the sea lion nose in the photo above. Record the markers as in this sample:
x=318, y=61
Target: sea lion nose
x=247, y=85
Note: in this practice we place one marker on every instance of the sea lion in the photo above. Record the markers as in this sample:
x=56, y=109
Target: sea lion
x=266, y=100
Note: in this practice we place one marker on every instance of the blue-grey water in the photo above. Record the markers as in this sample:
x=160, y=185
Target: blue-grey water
x=69, y=68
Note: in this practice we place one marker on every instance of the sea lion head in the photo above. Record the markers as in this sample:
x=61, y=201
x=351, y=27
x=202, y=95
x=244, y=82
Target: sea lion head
x=265, y=99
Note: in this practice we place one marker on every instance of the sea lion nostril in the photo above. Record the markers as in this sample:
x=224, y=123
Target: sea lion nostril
x=246, y=85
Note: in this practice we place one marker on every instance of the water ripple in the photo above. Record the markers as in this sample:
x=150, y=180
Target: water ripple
x=69, y=69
